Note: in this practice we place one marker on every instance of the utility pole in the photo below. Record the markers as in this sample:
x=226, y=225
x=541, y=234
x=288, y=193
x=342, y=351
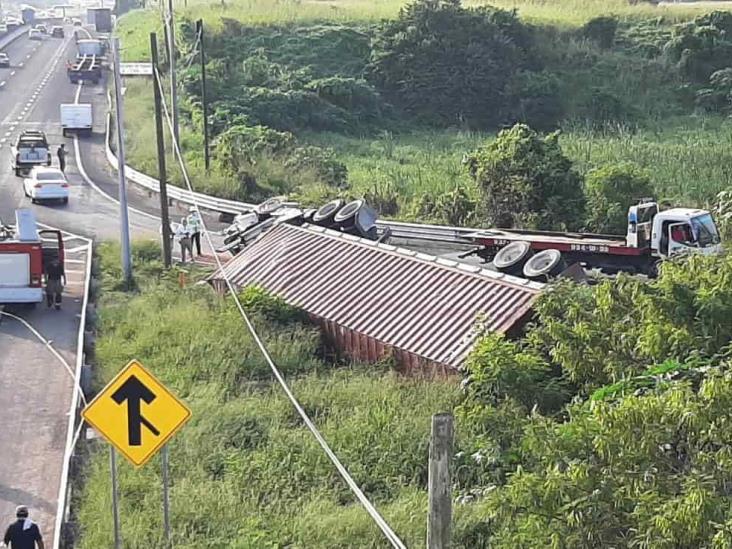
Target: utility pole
x=204, y=100
x=440, y=482
x=173, y=75
x=162, y=176
x=123, y=214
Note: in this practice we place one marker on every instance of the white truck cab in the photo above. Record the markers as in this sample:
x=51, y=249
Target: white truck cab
x=672, y=232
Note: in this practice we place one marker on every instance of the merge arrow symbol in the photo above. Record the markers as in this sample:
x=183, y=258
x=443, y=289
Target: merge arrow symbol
x=134, y=392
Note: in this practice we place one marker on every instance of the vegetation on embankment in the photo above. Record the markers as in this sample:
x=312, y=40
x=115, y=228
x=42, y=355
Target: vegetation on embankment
x=245, y=472
x=606, y=425
x=317, y=107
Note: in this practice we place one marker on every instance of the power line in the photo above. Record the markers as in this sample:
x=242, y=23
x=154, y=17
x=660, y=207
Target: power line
x=378, y=519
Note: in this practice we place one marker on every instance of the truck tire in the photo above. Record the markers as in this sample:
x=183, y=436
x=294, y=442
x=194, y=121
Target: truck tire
x=64, y=133
x=511, y=258
x=17, y=172
x=544, y=265
x=325, y=214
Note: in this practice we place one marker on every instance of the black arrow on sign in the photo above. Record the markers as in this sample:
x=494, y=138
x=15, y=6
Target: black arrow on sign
x=134, y=392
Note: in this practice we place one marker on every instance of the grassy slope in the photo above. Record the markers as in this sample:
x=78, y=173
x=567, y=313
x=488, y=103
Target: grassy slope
x=245, y=467
x=685, y=155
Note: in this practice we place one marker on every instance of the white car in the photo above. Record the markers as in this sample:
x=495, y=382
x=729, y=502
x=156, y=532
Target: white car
x=35, y=34
x=4, y=60
x=3, y=28
x=45, y=183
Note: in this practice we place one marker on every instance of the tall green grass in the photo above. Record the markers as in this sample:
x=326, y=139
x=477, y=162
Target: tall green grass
x=245, y=472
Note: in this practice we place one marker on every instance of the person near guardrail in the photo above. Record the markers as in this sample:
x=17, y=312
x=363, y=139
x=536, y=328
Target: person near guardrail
x=23, y=533
x=183, y=238
x=61, y=153
x=194, y=225
x=55, y=281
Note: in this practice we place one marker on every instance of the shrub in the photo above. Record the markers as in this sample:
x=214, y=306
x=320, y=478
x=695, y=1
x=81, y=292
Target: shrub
x=535, y=99
x=601, y=30
x=527, y=181
x=610, y=191
x=451, y=65
x=717, y=97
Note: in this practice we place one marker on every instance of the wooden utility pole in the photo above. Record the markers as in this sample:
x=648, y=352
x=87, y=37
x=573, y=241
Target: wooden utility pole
x=162, y=175
x=440, y=482
x=204, y=100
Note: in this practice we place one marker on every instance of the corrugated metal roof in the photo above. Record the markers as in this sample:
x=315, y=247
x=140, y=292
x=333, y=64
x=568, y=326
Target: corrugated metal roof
x=415, y=302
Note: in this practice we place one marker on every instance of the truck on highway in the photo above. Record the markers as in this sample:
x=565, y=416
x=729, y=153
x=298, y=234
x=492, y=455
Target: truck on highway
x=652, y=236
x=28, y=14
x=25, y=253
x=30, y=150
x=85, y=69
x=76, y=118
x=90, y=47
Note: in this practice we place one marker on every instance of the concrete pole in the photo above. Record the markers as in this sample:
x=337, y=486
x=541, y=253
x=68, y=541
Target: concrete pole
x=440, y=482
x=123, y=214
x=173, y=75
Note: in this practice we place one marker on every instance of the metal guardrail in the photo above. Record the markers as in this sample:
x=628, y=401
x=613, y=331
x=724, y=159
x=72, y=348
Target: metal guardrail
x=397, y=229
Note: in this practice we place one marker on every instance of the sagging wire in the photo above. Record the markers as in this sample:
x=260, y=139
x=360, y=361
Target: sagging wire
x=372, y=511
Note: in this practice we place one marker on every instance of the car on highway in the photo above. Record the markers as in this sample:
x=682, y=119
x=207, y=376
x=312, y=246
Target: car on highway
x=57, y=32
x=45, y=183
x=35, y=34
x=3, y=28
x=41, y=27
x=4, y=60
x=76, y=21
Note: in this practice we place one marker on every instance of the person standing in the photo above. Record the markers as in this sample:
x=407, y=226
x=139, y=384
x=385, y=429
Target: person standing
x=194, y=225
x=23, y=533
x=55, y=282
x=183, y=238
x=61, y=153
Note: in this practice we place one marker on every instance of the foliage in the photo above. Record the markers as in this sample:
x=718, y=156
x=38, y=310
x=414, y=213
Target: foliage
x=702, y=47
x=527, y=181
x=446, y=64
x=610, y=190
x=455, y=207
x=601, y=30
x=257, y=476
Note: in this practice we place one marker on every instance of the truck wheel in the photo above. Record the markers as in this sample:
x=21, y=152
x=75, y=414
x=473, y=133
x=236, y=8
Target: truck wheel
x=63, y=132
x=654, y=269
x=65, y=200
x=324, y=215
x=512, y=258
x=544, y=265
x=17, y=172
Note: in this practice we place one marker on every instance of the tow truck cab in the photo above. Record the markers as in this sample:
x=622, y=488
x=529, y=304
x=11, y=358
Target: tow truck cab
x=672, y=232
x=25, y=253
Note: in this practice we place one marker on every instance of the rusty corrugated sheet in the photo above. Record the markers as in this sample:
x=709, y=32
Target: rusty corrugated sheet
x=374, y=299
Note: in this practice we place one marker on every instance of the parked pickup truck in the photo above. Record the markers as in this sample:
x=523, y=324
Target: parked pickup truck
x=30, y=150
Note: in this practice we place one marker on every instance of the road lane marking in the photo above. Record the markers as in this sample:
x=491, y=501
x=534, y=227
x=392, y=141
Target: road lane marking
x=20, y=65
x=13, y=72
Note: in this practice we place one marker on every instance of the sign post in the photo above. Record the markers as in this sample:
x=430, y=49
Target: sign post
x=137, y=415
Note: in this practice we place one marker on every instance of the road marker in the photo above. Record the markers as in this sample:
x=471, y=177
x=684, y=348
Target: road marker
x=12, y=73
x=136, y=413
x=20, y=65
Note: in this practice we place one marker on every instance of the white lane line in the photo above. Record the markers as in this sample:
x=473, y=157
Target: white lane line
x=4, y=139
x=88, y=179
x=2, y=83
x=13, y=72
x=7, y=134
x=20, y=65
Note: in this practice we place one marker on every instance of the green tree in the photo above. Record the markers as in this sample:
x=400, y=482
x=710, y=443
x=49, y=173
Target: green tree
x=610, y=191
x=451, y=65
x=527, y=181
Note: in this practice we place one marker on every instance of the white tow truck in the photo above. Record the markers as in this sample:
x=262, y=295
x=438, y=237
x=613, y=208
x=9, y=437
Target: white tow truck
x=25, y=253
x=652, y=236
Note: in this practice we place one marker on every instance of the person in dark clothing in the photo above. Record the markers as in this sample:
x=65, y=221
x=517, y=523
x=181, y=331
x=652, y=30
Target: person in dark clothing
x=23, y=533
x=61, y=153
x=55, y=281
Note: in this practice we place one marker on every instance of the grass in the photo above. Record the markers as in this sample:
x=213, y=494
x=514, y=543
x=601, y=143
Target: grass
x=245, y=472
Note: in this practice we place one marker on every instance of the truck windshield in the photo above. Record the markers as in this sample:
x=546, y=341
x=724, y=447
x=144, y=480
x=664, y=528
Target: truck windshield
x=705, y=230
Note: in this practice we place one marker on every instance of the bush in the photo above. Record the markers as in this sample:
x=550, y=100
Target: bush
x=610, y=191
x=450, y=65
x=718, y=97
x=535, y=99
x=601, y=30
x=527, y=181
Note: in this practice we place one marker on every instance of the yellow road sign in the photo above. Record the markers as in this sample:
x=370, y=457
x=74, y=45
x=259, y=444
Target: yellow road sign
x=136, y=413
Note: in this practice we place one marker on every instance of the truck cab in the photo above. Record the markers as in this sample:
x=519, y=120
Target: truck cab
x=672, y=232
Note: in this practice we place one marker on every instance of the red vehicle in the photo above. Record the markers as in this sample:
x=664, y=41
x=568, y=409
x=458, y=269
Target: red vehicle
x=652, y=236
x=25, y=253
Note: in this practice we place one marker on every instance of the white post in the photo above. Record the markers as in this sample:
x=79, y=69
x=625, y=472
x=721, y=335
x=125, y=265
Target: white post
x=123, y=213
x=166, y=498
x=115, y=504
